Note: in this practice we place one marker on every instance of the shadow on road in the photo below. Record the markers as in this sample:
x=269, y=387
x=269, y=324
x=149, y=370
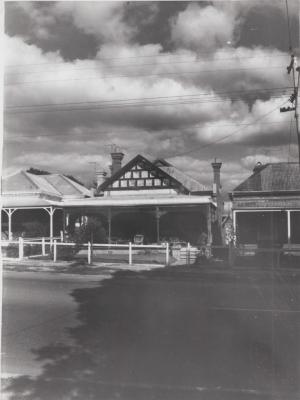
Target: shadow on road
x=176, y=333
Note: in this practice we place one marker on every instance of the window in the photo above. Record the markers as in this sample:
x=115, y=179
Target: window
x=148, y=182
x=131, y=182
x=144, y=174
x=123, y=183
x=140, y=182
x=135, y=174
x=157, y=182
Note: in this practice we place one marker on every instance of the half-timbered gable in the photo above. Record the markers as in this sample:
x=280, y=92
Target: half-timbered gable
x=140, y=174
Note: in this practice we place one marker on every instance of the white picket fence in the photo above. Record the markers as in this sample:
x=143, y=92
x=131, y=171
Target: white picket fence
x=54, y=244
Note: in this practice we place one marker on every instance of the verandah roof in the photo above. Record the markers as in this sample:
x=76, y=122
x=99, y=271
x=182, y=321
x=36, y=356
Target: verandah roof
x=129, y=201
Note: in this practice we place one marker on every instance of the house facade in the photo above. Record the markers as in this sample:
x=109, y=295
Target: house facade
x=266, y=206
x=149, y=198
x=27, y=198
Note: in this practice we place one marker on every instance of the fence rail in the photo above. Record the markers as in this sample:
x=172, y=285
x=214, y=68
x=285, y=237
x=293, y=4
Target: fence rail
x=51, y=247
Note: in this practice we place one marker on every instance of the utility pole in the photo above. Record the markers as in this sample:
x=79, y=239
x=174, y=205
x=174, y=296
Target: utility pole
x=292, y=67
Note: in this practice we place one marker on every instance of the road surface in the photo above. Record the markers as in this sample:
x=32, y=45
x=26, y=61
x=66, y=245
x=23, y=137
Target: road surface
x=37, y=309
x=170, y=334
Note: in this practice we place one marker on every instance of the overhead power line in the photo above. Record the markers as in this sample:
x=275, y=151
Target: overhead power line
x=72, y=69
x=262, y=91
x=128, y=105
x=166, y=74
x=197, y=148
x=172, y=56
x=62, y=134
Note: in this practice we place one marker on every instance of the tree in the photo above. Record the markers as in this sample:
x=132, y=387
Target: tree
x=36, y=171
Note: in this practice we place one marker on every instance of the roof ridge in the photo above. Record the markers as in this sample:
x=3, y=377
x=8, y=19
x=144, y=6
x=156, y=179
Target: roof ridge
x=74, y=184
x=50, y=183
x=29, y=178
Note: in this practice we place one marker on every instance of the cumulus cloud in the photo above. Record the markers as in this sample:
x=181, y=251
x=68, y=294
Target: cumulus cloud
x=103, y=19
x=204, y=28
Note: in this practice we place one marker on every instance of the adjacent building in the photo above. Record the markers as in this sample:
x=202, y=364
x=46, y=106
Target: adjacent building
x=266, y=206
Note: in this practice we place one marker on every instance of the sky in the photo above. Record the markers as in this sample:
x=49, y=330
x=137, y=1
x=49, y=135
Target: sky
x=184, y=81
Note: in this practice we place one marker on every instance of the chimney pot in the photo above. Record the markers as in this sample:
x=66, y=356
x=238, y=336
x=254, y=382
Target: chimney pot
x=100, y=177
x=257, y=167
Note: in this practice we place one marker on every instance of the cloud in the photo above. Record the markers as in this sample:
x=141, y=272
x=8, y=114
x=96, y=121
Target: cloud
x=102, y=19
x=202, y=28
x=144, y=98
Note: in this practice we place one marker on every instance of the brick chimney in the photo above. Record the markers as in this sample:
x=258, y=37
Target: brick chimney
x=217, y=179
x=117, y=158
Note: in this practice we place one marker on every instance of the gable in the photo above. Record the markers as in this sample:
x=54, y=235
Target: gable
x=140, y=174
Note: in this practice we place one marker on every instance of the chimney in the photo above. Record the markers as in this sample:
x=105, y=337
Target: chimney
x=219, y=234
x=257, y=167
x=217, y=180
x=117, y=158
x=100, y=177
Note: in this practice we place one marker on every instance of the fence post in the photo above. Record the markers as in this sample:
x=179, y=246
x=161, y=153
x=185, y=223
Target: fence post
x=21, y=248
x=89, y=253
x=188, y=253
x=167, y=253
x=61, y=236
x=130, y=253
x=43, y=247
x=232, y=254
x=54, y=251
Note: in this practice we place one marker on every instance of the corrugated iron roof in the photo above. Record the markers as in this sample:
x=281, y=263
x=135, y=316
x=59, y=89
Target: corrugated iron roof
x=190, y=183
x=56, y=185
x=272, y=177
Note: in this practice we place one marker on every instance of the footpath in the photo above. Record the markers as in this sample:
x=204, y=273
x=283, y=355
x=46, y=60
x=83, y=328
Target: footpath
x=73, y=267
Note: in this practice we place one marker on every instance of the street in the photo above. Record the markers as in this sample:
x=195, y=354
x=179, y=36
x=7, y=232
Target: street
x=37, y=307
x=173, y=333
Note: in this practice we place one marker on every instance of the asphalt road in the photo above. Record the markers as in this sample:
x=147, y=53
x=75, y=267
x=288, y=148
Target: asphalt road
x=176, y=333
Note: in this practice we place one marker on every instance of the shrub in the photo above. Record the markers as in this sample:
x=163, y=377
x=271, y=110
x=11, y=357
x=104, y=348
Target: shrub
x=12, y=250
x=65, y=253
x=92, y=231
x=34, y=229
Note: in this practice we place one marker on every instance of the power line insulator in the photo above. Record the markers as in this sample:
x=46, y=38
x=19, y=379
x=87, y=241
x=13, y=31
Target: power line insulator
x=286, y=109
